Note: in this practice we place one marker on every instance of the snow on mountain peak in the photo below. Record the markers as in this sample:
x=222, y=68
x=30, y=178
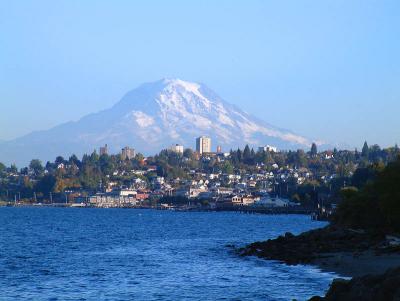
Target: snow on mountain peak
x=182, y=108
x=156, y=115
x=178, y=93
x=180, y=85
x=176, y=82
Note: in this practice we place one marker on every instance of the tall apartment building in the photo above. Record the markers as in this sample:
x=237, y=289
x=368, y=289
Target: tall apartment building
x=177, y=148
x=203, y=145
x=104, y=150
x=128, y=153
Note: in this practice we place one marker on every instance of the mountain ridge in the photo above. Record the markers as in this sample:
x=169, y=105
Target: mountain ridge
x=149, y=118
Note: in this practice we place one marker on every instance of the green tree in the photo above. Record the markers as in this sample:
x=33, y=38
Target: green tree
x=314, y=150
x=74, y=160
x=227, y=168
x=362, y=176
x=139, y=157
x=90, y=176
x=246, y=154
x=94, y=157
x=377, y=205
x=300, y=158
x=36, y=167
x=27, y=186
x=387, y=191
x=106, y=164
x=46, y=184
x=188, y=153
x=59, y=160
x=252, y=153
x=13, y=168
x=365, y=150
x=239, y=155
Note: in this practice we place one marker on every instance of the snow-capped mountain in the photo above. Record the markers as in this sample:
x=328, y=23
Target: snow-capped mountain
x=150, y=118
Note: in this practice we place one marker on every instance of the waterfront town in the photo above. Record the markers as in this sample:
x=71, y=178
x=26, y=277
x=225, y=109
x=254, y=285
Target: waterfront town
x=180, y=178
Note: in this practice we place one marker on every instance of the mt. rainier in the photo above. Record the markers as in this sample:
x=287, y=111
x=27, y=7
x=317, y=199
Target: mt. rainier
x=150, y=118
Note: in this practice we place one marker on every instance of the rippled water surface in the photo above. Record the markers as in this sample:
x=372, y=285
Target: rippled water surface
x=120, y=254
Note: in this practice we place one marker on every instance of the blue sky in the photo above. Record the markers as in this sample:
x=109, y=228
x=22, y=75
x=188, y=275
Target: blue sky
x=324, y=69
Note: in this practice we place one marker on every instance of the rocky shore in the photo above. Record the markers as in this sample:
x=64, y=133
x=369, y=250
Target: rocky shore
x=347, y=252
x=384, y=287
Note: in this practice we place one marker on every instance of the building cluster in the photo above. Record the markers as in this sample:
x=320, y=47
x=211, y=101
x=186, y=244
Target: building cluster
x=201, y=179
x=203, y=146
x=140, y=187
x=127, y=153
x=217, y=190
x=247, y=189
x=213, y=190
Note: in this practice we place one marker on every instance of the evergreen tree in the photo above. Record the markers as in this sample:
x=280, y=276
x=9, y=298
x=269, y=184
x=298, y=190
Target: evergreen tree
x=365, y=150
x=233, y=157
x=94, y=157
x=74, y=160
x=239, y=155
x=314, y=150
x=227, y=168
x=246, y=152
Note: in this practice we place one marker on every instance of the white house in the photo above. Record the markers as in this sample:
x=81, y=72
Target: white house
x=274, y=202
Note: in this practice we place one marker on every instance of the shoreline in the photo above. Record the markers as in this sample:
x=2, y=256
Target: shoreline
x=346, y=252
x=372, y=260
x=347, y=264
x=267, y=211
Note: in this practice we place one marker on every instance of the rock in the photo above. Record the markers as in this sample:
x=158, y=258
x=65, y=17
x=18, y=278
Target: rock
x=385, y=287
x=313, y=244
x=319, y=245
x=288, y=235
x=316, y=298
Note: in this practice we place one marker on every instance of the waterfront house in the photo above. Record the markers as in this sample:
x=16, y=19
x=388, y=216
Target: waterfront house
x=268, y=201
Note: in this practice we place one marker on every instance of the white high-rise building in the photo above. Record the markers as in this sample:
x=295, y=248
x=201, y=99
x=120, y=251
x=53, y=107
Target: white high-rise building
x=177, y=148
x=203, y=145
x=268, y=148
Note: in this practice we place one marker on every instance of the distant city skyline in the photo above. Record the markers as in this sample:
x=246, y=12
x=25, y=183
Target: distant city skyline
x=326, y=70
